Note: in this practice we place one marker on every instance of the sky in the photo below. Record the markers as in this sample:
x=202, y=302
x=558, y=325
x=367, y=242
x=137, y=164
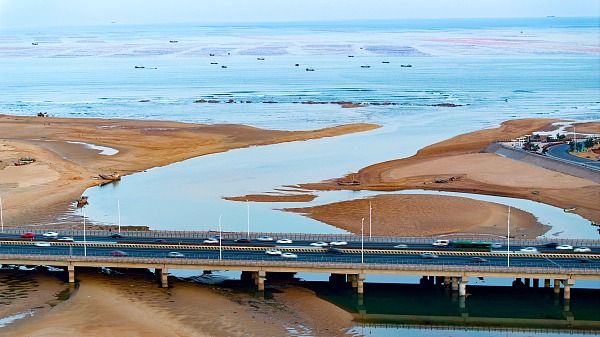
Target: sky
x=43, y=13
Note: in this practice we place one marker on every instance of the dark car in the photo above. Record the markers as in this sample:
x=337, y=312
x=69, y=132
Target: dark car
x=550, y=245
x=334, y=250
x=584, y=260
x=118, y=253
x=115, y=235
x=477, y=259
x=242, y=240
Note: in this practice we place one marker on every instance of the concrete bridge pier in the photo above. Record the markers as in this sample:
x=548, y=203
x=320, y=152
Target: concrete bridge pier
x=164, y=274
x=535, y=282
x=358, y=281
x=567, y=291
x=556, y=286
x=547, y=283
x=462, y=286
x=260, y=279
x=71, y=270
x=447, y=281
x=455, y=284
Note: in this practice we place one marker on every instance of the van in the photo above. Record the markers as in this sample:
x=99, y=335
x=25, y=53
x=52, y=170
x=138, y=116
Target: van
x=441, y=243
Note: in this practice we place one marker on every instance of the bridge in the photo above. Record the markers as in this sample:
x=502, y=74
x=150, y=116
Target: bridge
x=351, y=262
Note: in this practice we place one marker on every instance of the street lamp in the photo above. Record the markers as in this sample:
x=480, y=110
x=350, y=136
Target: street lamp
x=220, y=236
x=119, y=212
x=1, y=218
x=508, y=239
x=84, y=241
x=370, y=219
x=362, y=241
x=248, y=212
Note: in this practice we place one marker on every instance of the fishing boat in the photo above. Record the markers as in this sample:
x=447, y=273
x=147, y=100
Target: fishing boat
x=570, y=209
x=406, y=65
x=223, y=66
x=260, y=58
x=82, y=200
x=310, y=69
x=365, y=66
x=114, y=176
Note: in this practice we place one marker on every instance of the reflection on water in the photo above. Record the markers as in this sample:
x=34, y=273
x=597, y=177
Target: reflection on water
x=416, y=309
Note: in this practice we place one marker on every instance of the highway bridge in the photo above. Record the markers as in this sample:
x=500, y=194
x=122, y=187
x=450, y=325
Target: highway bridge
x=351, y=262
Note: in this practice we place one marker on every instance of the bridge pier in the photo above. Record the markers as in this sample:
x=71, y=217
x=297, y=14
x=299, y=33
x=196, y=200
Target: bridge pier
x=535, y=282
x=567, y=291
x=462, y=286
x=556, y=286
x=164, y=274
x=71, y=270
x=455, y=284
x=360, y=280
x=447, y=281
x=547, y=283
x=260, y=279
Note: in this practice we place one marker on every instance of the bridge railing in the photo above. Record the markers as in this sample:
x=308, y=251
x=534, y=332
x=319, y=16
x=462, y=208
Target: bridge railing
x=157, y=234
x=305, y=262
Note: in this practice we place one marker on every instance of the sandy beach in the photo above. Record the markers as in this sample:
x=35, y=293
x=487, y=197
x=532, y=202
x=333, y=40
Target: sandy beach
x=132, y=304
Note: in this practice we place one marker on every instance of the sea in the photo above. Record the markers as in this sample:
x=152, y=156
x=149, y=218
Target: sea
x=423, y=81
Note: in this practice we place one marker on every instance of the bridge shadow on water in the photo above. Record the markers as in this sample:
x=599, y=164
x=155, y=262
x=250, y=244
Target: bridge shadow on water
x=487, y=307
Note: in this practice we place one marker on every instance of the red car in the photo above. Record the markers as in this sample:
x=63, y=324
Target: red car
x=28, y=235
x=118, y=253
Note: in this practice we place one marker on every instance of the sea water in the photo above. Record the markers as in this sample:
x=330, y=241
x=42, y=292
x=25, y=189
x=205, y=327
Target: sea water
x=491, y=70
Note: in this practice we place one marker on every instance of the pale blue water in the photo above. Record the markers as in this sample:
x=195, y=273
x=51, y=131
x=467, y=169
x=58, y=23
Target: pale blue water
x=495, y=69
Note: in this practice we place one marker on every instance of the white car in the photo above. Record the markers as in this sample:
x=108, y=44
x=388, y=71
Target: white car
x=289, y=256
x=43, y=244
x=496, y=245
x=66, y=238
x=529, y=250
x=176, y=254
x=401, y=246
x=582, y=250
x=50, y=235
x=273, y=252
x=284, y=241
x=319, y=244
x=211, y=240
x=564, y=247
x=264, y=238
x=338, y=243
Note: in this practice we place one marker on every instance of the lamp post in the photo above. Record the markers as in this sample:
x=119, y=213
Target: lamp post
x=220, y=236
x=370, y=219
x=248, y=212
x=508, y=239
x=119, y=212
x=1, y=218
x=362, y=241
x=84, y=240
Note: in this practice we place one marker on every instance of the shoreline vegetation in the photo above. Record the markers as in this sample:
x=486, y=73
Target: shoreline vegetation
x=129, y=302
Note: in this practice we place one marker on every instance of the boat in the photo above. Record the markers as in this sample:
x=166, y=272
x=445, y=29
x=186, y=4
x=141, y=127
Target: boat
x=385, y=61
x=310, y=69
x=223, y=66
x=365, y=66
x=570, y=209
x=297, y=65
x=173, y=41
x=34, y=43
x=348, y=183
x=214, y=63
x=406, y=65
x=350, y=55
x=139, y=67
x=260, y=58
x=211, y=54
x=114, y=176
x=28, y=159
x=82, y=200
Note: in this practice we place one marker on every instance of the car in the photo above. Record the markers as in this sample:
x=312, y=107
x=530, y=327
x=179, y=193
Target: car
x=264, y=238
x=117, y=253
x=175, y=254
x=43, y=244
x=582, y=250
x=338, y=243
x=477, y=259
x=273, y=252
x=50, y=235
x=550, y=245
x=334, y=250
x=66, y=238
x=401, y=246
x=289, y=256
x=160, y=240
x=584, y=260
x=115, y=235
x=242, y=240
x=284, y=241
x=28, y=235
x=564, y=247
x=429, y=256
x=211, y=240
x=496, y=245
x=441, y=243
x=319, y=244
x=529, y=250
